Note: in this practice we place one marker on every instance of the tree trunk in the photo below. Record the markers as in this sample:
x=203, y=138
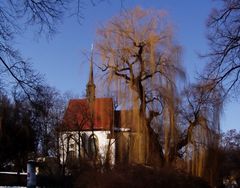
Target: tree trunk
x=150, y=148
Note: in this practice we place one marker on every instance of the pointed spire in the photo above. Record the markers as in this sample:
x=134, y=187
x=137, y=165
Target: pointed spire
x=90, y=91
x=91, y=80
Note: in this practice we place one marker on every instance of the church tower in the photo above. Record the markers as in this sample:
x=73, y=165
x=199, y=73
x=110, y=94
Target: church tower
x=90, y=90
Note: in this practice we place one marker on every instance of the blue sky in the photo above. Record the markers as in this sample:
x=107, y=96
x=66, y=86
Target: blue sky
x=65, y=66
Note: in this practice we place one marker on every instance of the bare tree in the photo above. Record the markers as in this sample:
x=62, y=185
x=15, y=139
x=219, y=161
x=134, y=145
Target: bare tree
x=46, y=109
x=18, y=16
x=224, y=39
x=139, y=53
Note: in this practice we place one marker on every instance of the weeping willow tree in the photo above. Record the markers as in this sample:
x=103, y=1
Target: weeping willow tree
x=200, y=113
x=140, y=60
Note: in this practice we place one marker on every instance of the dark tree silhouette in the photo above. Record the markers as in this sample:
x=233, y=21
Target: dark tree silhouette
x=224, y=40
x=17, y=137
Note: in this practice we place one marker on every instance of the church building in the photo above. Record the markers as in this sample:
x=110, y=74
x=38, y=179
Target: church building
x=92, y=130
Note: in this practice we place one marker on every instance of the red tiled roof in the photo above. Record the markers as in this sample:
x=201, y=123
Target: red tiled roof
x=79, y=113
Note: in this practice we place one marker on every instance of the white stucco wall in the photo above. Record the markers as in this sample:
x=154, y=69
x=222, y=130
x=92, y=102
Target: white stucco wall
x=103, y=143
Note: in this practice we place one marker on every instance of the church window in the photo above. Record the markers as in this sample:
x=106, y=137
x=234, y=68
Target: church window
x=84, y=139
x=93, y=146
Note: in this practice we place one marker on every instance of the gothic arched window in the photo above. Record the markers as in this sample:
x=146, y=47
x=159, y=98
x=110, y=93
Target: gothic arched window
x=71, y=148
x=93, y=146
x=84, y=138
